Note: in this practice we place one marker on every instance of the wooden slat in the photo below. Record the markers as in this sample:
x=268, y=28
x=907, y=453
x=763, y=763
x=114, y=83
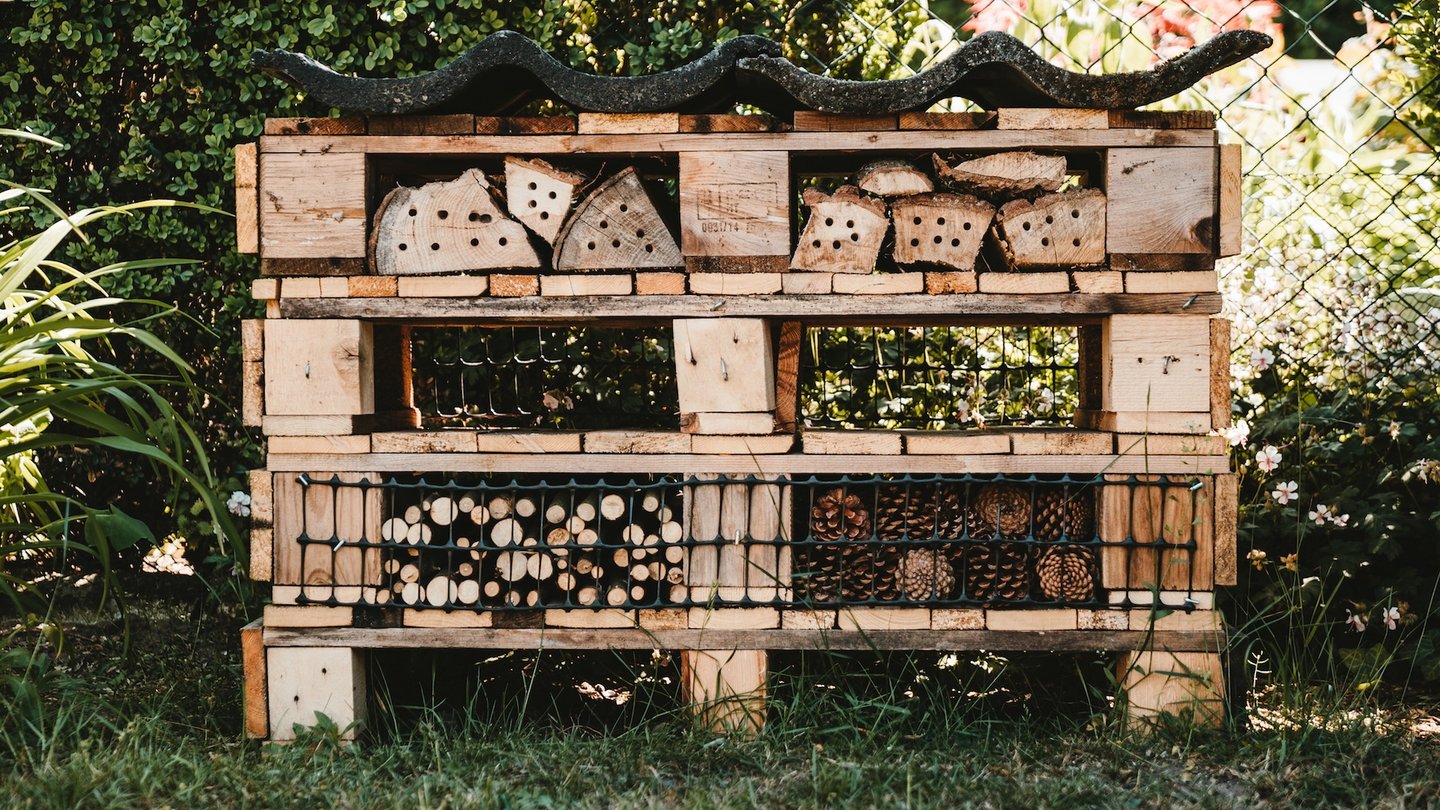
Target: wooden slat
x=505, y=285
x=659, y=283
x=725, y=688
x=971, y=442
x=630, y=456
x=391, y=125
x=1011, y=307
x=525, y=125
x=262, y=521
x=1221, y=398
x=328, y=425
x=878, y=283
x=1024, y=283
x=1103, y=281
x=319, y=367
x=442, y=286
x=729, y=123
x=787, y=375
x=728, y=424
x=1232, y=201
x=735, y=283
x=1158, y=682
x=947, y=282
x=1227, y=509
x=587, y=284
x=851, y=442
x=807, y=283
x=318, y=444
x=303, y=682
x=724, y=366
x=1051, y=118
x=831, y=141
x=247, y=201
x=1156, y=363
x=771, y=639
x=1162, y=119
x=315, y=126
x=252, y=663
x=312, y=266
x=252, y=356
x=627, y=123
x=945, y=121
x=1171, y=282
x=809, y=121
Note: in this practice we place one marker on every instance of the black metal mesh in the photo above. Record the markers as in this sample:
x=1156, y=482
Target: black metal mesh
x=937, y=378
x=483, y=544
x=544, y=377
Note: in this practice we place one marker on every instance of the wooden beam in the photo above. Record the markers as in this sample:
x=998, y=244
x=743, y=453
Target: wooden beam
x=769, y=639
x=247, y=200
x=252, y=661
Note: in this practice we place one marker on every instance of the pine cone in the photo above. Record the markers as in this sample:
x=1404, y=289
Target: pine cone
x=904, y=512
x=1066, y=573
x=997, y=571
x=838, y=515
x=925, y=575
x=1004, y=507
x=1064, y=511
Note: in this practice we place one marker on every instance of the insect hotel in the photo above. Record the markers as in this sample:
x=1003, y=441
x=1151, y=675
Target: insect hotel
x=849, y=375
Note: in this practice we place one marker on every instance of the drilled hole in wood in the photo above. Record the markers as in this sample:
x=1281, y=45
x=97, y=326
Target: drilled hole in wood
x=544, y=214
x=485, y=219
x=940, y=221
x=533, y=204
x=1049, y=219
x=474, y=217
x=1045, y=242
x=816, y=243
x=533, y=186
x=589, y=245
x=917, y=220
x=1075, y=242
x=954, y=243
x=444, y=214
x=640, y=234
x=854, y=237
x=1025, y=225
x=404, y=246
x=966, y=226
x=649, y=248
x=413, y=212
x=1074, y=213
x=474, y=243
x=552, y=195
x=914, y=243
x=624, y=207
x=939, y=239
x=604, y=223
x=434, y=245
x=503, y=241
x=836, y=245
x=829, y=221
x=849, y=223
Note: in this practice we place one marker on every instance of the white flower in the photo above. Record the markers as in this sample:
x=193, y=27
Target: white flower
x=1391, y=616
x=962, y=411
x=1268, y=458
x=1285, y=492
x=1356, y=621
x=1256, y=399
x=1340, y=520
x=239, y=504
x=1238, y=434
x=1320, y=514
x=1394, y=429
x=1262, y=360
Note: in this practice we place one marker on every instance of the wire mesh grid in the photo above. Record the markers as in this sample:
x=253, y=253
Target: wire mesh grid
x=544, y=377
x=795, y=543
x=937, y=378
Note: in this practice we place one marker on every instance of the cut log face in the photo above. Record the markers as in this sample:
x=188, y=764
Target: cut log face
x=1056, y=230
x=945, y=230
x=616, y=228
x=447, y=227
x=843, y=233
x=539, y=195
x=893, y=178
x=1006, y=173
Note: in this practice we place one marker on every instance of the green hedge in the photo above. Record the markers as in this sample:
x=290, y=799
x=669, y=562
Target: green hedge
x=149, y=99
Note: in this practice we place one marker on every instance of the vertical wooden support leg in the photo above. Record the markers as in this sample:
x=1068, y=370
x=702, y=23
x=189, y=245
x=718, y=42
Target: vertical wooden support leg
x=305, y=682
x=725, y=688
x=1189, y=685
x=252, y=661
x=394, y=381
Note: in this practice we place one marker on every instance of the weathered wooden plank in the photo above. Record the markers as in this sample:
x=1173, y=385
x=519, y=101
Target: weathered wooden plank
x=810, y=121
x=1151, y=281
x=255, y=694
x=787, y=375
x=1221, y=397
x=1156, y=363
x=1227, y=510
x=724, y=366
x=247, y=200
x=1051, y=118
x=315, y=126
x=591, y=123
x=1012, y=307
x=391, y=125
x=1232, y=200
x=725, y=688
x=312, y=205
x=319, y=367
x=771, y=639
x=831, y=141
x=878, y=283
x=632, y=456
x=306, y=682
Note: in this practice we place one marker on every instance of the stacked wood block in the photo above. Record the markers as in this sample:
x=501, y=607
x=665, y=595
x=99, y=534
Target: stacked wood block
x=741, y=531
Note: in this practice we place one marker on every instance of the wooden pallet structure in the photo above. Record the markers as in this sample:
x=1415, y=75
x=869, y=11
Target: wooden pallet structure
x=737, y=531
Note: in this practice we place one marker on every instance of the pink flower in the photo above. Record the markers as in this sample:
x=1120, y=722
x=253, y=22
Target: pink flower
x=1262, y=360
x=1391, y=616
x=1340, y=520
x=1320, y=514
x=1238, y=434
x=1268, y=458
x=1285, y=492
x=1356, y=621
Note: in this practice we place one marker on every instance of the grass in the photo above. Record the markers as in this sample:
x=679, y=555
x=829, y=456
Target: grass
x=160, y=728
